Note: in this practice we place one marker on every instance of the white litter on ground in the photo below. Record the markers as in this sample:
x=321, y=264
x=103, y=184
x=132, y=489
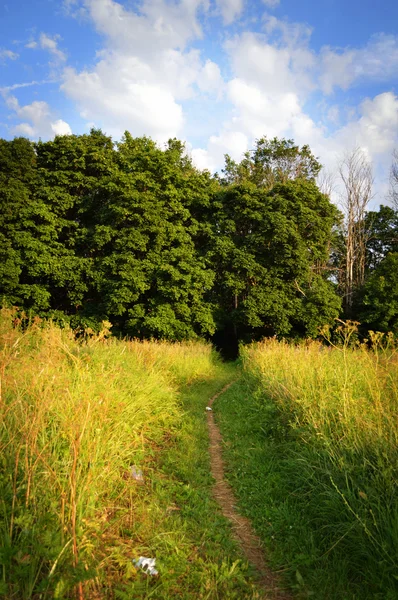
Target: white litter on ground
x=136, y=474
x=146, y=564
x=208, y=408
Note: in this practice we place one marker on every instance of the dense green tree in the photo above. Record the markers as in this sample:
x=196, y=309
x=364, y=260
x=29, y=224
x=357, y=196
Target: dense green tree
x=266, y=247
x=381, y=229
x=150, y=278
x=271, y=162
x=135, y=234
x=71, y=172
x=21, y=225
x=44, y=193
x=378, y=309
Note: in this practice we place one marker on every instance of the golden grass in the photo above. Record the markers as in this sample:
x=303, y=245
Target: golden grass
x=75, y=417
x=347, y=395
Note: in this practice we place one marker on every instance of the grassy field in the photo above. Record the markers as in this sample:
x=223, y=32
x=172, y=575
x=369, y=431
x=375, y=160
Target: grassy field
x=311, y=441
x=76, y=419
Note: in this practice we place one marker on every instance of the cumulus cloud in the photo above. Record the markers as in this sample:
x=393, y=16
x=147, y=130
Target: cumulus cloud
x=274, y=77
x=60, y=127
x=376, y=130
x=36, y=118
x=158, y=26
x=209, y=78
x=234, y=143
x=140, y=81
x=276, y=66
x=116, y=102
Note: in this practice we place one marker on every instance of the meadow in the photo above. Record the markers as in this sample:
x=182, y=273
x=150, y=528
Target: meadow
x=79, y=420
x=104, y=458
x=311, y=439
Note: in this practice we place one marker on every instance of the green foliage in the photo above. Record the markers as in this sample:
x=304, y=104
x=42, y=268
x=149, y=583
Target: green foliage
x=266, y=248
x=75, y=419
x=378, y=308
x=382, y=235
x=136, y=235
x=311, y=450
x=271, y=162
x=17, y=176
x=150, y=279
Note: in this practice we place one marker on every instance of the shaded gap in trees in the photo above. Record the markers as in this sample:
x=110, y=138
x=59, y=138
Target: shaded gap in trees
x=226, y=342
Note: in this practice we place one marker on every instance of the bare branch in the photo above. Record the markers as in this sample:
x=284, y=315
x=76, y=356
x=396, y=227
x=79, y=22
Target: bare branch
x=393, y=194
x=326, y=182
x=356, y=175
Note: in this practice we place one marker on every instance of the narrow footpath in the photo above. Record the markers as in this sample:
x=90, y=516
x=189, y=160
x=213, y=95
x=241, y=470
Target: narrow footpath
x=241, y=526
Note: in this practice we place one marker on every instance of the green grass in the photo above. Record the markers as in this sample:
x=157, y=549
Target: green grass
x=311, y=445
x=75, y=418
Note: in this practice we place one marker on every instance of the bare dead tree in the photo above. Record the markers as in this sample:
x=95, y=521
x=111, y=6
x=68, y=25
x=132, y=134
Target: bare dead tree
x=326, y=181
x=356, y=175
x=394, y=180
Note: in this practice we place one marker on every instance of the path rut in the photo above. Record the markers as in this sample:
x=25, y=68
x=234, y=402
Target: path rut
x=241, y=526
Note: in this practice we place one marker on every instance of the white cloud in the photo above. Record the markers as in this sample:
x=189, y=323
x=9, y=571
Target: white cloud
x=378, y=60
x=119, y=102
x=46, y=42
x=260, y=112
x=232, y=142
x=230, y=9
x=275, y=67
x=36, y=118
x=203, y=160
x=274, y=75
x=51, y=44
x=7, y=55
x=141, y=79
x=377, y=128
x=271, y=3
x=209, y=78
x=16, y=86
x=159, y=25
x=36, y=112
x=60, y=127
x=25, y=130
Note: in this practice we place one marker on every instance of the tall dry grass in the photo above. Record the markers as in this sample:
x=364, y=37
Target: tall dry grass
x=332, y=412
x=75, y=417
x=347, y=395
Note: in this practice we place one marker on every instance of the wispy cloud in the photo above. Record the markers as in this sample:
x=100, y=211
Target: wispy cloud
x=342, y=68
x=49, y=43
x=17, y=86
x=7, y=55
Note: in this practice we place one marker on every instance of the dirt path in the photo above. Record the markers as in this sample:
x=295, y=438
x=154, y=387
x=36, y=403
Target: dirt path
x=241, y=526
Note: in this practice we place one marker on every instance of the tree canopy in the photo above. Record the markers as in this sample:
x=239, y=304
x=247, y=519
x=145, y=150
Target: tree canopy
x=135, y=234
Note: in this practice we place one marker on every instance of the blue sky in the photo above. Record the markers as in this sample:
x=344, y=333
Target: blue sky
x=215, y=73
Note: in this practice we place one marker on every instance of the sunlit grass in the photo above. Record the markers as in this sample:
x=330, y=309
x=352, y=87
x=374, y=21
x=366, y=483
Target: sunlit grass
x=348, y=396
x=323, y=421
x=75, y=418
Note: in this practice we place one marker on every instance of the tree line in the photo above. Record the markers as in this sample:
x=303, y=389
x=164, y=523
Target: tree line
x=134, y=234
